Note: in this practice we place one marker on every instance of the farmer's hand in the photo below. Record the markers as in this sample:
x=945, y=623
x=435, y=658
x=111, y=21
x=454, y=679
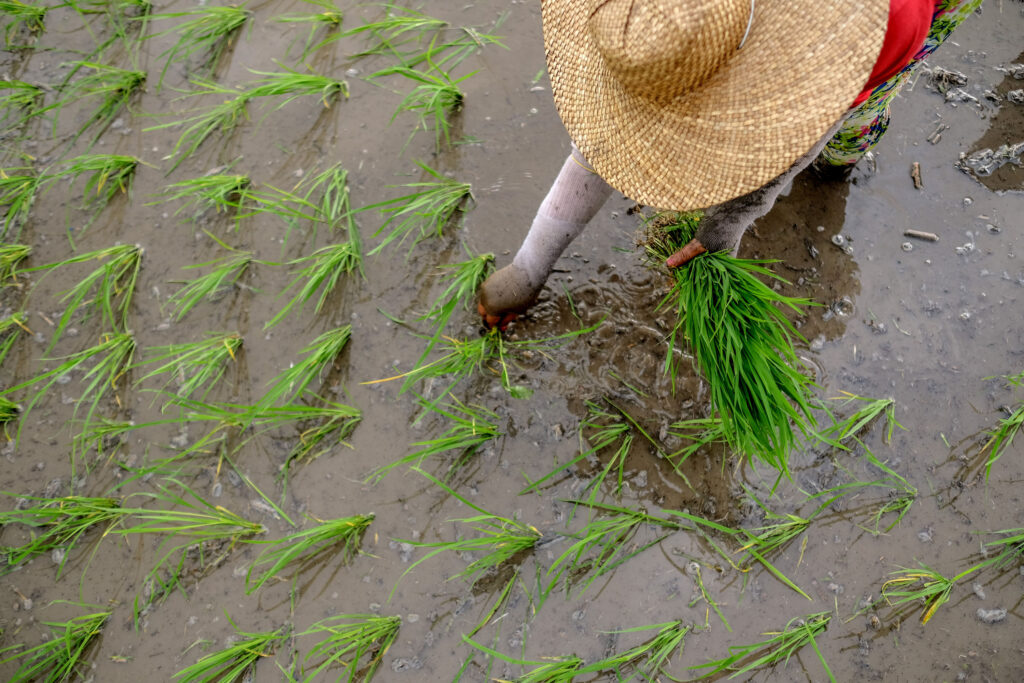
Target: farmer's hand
x=720, y=230
x=506, y=294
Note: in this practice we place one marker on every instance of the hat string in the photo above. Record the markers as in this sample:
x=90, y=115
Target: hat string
x=750, y=22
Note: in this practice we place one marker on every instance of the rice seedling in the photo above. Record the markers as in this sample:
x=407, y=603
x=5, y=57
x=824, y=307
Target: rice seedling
x=901, y=498
x=469, y=428
x=774, y=650
x=460, y=359
x=286, y=205
x=699, y=433
x=924, y=585
x=211, y=287
x=110, y=359
x=21, y=17
x=1008, y=549
x=234, y=661
x=194, y=367
x=62, y=656
x=743, y=343
x=58, y=524
x=18, y=102
x=558, y=670
x=431, y=206
x=188, y=522
x=777, y=531
x=294, y=84
x=18, y=192
x=435, y=98
x=852, y=425
x=321, y=272
x=110, y=86
x=218, y=191
x=104, y=436
x=397, y=28
x=336, y=537
x=648, y=660
x=348, y=639
x=224, y=117
x=500, y=540
x=10, y=256
x=334, y=208
x=607, y=430
x=463, y=279
x=9, y=411
x=9, y=328
x=491, y=351
x=1001, y=437
x=292, y=382
x=107, y=174
x=602, y=545
x=328, y=21
x=107, y=290
x=205, y=32
x=333, y=423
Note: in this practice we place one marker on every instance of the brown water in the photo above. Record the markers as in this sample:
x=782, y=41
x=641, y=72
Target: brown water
x=933, y=327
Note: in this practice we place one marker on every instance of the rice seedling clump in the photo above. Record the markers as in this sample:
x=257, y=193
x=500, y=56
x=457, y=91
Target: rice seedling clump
x=743, y=344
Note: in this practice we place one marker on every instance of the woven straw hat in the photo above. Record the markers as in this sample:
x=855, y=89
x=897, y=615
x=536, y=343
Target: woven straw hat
x=662, y=101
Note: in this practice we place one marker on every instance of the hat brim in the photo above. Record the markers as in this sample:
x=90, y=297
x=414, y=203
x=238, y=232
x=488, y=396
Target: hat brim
x=802, y=65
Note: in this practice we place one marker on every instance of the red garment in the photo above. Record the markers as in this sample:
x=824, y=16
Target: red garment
x=909, y=21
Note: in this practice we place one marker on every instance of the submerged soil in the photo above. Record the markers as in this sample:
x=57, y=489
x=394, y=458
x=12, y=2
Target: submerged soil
x=934, y=326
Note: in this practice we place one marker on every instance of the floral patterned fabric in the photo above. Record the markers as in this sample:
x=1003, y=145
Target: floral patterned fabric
x=864, y=126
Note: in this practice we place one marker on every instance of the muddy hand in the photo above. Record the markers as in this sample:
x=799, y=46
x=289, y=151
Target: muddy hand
x=506, y=294
x=691, y=250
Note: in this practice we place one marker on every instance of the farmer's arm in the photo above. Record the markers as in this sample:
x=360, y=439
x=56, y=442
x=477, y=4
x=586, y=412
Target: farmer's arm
x=575, y=197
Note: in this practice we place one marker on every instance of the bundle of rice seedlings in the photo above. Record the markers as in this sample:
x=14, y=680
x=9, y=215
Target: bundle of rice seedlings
x=736, y=328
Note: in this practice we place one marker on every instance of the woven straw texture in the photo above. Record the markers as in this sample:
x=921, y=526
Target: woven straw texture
x=667, y=110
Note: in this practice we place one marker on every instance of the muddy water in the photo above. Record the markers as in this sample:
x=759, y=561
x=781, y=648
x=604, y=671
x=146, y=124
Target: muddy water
x=930, y=327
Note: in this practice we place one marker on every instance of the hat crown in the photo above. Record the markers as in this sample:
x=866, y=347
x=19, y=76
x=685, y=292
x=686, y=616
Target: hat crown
x=660, y=49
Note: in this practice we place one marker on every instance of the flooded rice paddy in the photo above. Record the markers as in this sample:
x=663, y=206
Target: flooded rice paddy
x=935, y=325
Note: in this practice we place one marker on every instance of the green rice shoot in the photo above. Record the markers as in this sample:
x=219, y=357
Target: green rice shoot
x=428, y=209
x=108, y=359
x=218, y=191
x=234, y=661
x=10, y=256
x=222, y=118
x=21, y=17
x=775, y=649
x=320, y=357
x=10, y=327
x=743, y=344
x=434, y=99
x=497, y=540
x=1001, y=437
x=108, y=88
x=924, y=586
x=303, y=548
x=107, y=175
x=224, y=276
x=193, y=367
x=108, y=290
x=58, y=523
x=469, y=428
x=327, y=21
x=292, y=84
x=204, y=34
x=356, y=643
x=62, y=656
x=19, y=188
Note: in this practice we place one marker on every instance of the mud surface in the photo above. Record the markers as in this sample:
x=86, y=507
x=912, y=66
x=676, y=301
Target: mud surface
x=934, y=327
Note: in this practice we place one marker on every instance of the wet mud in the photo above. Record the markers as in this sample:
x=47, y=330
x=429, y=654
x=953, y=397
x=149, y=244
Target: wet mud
x=934, y=325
